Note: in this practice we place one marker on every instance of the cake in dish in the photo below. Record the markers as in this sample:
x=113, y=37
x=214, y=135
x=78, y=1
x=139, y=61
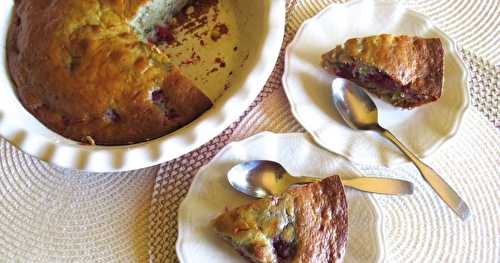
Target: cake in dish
x=406, y=71
x=83, y=69
x=306, y=224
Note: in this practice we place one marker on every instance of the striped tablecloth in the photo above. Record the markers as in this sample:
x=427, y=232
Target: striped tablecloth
x=49, y=214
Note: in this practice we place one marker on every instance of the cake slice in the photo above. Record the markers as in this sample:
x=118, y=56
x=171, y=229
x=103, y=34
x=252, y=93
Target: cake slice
x=306, y=224
x=406, y=71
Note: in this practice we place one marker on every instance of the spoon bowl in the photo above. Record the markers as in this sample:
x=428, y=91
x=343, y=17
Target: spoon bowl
x=258, y=178
x=355, y=106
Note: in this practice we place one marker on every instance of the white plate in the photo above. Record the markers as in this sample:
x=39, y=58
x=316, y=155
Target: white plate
x=210, y=194
x=307, y=86
x=263, y=47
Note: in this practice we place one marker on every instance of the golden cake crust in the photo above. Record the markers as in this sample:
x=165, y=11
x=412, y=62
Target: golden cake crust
x=321, y=211
x=84, y=73
x=415, y=63
x=306, y=224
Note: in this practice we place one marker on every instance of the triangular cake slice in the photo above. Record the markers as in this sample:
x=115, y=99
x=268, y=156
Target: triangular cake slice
x=406, y=71
x=306, y=224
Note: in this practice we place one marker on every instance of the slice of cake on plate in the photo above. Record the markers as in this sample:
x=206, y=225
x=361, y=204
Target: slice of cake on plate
x=306, y=224
x=406, y=71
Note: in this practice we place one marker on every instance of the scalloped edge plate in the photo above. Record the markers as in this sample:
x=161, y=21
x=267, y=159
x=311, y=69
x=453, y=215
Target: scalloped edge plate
x=210, y=194
x=307, y=86
x=21, y=129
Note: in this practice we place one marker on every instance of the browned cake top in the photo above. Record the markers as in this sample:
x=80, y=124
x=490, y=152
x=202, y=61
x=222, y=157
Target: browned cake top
x=321, y=211
x=415, y=63
x=308, y=224
x=82, y=71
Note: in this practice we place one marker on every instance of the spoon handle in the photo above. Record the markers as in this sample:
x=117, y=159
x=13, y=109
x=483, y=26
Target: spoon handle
x=378, y=185
x=375, y=185
x=447, y=194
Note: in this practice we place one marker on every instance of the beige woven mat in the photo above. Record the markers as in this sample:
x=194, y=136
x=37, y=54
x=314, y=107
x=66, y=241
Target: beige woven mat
x=270, y=111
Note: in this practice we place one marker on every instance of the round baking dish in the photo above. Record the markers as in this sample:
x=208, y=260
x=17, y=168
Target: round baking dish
x=262, y=48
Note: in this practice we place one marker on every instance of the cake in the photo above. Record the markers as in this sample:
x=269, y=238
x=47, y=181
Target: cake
x=306, y=224
x=406, y=71
x=83, y=68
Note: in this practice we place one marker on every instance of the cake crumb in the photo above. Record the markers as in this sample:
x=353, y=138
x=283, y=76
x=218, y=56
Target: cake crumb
x=189, y=10
x=218, y=31
x=221, y=62
x=88, y=140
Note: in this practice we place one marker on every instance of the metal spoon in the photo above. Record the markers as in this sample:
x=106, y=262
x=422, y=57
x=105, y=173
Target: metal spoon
x=267, y=178
x=359, y=112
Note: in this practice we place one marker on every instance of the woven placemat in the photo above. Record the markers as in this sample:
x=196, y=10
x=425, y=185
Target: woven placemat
x=50, y=214
x=484, y=86
x=271, y=112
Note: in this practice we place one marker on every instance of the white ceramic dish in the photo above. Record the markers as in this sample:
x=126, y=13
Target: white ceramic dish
x=307, y=86
x=210, y=194
x=263, y=46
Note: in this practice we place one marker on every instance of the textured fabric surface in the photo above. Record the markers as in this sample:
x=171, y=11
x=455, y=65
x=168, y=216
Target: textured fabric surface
x=421, y=228
x=484, y=86
x=49, y=214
